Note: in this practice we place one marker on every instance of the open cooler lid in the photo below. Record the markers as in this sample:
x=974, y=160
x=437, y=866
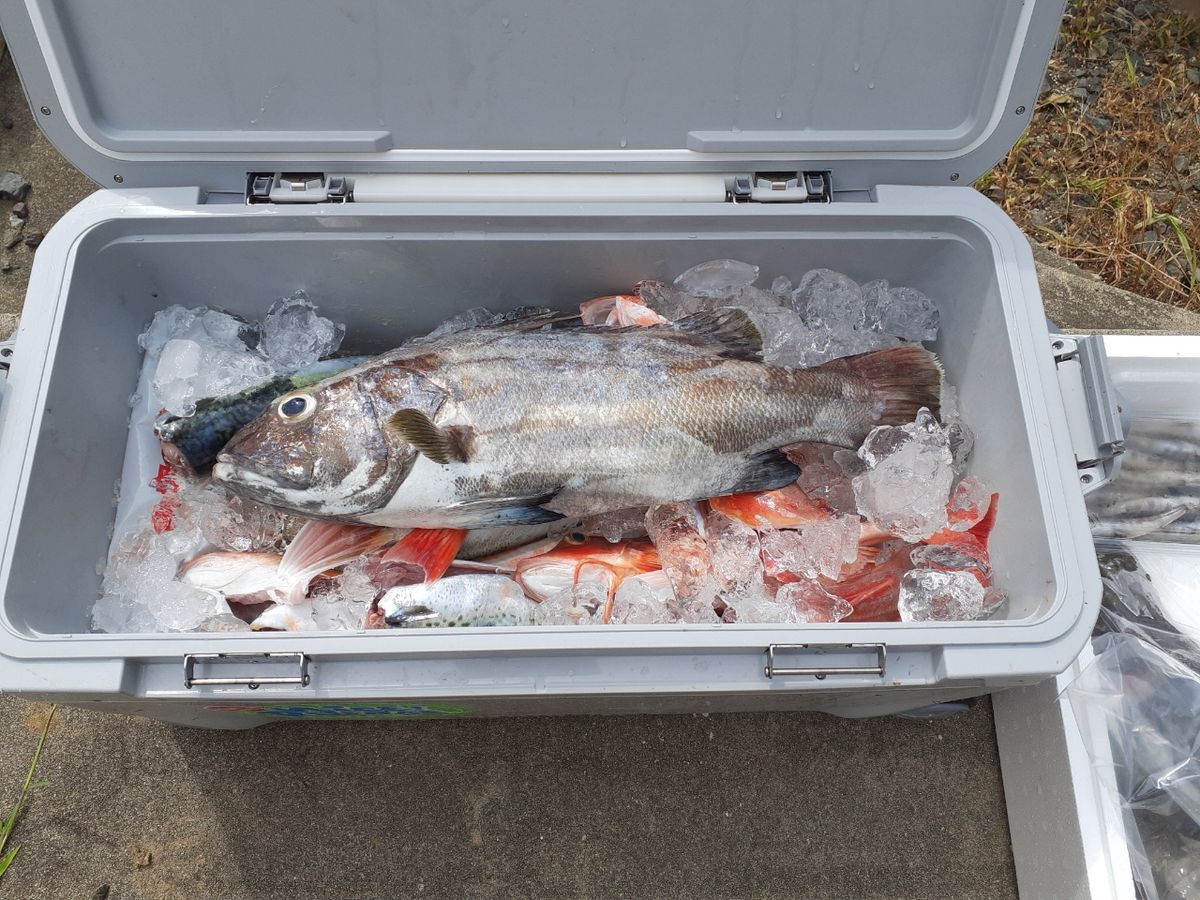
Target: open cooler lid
x=187, y=93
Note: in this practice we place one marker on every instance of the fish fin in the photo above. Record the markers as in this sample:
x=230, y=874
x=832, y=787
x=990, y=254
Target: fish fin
x=430, y=549
x=729, y=327
x=901, y=380
x=531, y=318
x=982, y=530
x=868, y=553
x=765, y=472
x=322, y=545
x=439, y=444
x=728, y=330
x=493, y=511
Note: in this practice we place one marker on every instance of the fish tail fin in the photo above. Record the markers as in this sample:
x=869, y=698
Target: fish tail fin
x=902, y=380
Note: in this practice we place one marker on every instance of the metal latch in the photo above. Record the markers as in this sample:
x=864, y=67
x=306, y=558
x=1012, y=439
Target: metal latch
x=7, y=348
x=1092, y=406
x=820, y=671
x=782, y=187
x=298, y=187
x=271, y=661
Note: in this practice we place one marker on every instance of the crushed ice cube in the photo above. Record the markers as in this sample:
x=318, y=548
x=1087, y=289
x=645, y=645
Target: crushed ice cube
x=782, y=287
x=908, y=314
x=812, y=603
x=817, y=549
x=342, y=603
x=928, y=595
x=200, y=324
x=901, y=312
x=760, y=610
x=140, y=592
x=717, y=277
x=828, y=299
x=582, y=604
x=953, y=558
x=827, y=485
x=909, y=474
x=231, y=522
x=188, y=371
x=677, y=532
x=969, y=502
x=994, y=601
x=734, y=553
x=875, y=297
x=962, y=439
x=644, y=600
x=294, y=336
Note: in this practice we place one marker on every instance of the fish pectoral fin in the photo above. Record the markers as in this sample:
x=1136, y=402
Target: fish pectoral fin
x=439, y=444
x=766, y=472
x=729, y=328
x=493, y=511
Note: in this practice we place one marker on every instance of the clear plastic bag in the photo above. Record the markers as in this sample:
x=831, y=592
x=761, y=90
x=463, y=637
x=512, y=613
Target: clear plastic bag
x=1144, y=684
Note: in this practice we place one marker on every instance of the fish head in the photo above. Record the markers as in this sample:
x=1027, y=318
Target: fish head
x=320, y=451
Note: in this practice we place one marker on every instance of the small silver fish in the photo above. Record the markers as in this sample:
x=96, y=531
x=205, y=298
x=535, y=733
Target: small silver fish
x=460, y=601
x=513, y=424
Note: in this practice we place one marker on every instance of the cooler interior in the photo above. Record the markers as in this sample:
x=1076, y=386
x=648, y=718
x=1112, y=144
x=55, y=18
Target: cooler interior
x=388, y=277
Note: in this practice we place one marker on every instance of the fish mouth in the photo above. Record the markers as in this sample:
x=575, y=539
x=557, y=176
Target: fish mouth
x=227, y=471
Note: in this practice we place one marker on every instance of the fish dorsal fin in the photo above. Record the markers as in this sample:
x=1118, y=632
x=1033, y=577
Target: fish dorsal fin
x=729, y=327
x=442, y=445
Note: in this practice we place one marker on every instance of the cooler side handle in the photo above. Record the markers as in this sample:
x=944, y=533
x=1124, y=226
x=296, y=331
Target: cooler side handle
x=1093, y=407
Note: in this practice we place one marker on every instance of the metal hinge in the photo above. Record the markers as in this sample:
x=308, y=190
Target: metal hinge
x=1092, y=407
x=298, y=187
x=270, y=661
x=823, y=650
x=782, y=187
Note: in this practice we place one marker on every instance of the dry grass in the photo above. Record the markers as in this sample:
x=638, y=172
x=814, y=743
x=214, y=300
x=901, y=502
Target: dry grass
x=1108, y=173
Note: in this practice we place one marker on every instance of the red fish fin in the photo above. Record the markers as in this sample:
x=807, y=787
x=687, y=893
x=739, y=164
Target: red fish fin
x=982, y=529
x=868, y=553
x=432, y=549
x=901, y=380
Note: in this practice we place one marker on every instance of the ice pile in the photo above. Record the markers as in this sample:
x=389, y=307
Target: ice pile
x=896, y=530
x=203, y=352
x=826, y=316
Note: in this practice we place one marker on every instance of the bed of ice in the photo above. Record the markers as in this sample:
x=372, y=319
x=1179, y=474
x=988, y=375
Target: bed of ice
x=714, y=567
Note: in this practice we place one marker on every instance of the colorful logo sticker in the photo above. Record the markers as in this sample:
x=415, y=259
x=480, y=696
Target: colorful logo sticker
x=346, y=710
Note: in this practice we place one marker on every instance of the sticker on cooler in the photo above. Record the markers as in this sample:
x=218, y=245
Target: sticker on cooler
x=346, y=710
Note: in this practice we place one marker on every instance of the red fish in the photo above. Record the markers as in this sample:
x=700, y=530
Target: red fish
x=599, y=561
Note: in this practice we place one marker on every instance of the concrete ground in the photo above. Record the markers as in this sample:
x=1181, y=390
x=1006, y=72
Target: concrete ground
x=738, y=806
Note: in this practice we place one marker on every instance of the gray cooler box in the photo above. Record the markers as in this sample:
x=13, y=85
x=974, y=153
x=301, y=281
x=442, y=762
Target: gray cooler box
x=402, y=162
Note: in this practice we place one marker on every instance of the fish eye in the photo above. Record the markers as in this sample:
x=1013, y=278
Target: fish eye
x=296, y=407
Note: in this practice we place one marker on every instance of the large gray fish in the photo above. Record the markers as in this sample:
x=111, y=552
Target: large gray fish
x=520, y=423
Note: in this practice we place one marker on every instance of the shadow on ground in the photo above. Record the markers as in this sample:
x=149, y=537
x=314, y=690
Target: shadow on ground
x=773, y=805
